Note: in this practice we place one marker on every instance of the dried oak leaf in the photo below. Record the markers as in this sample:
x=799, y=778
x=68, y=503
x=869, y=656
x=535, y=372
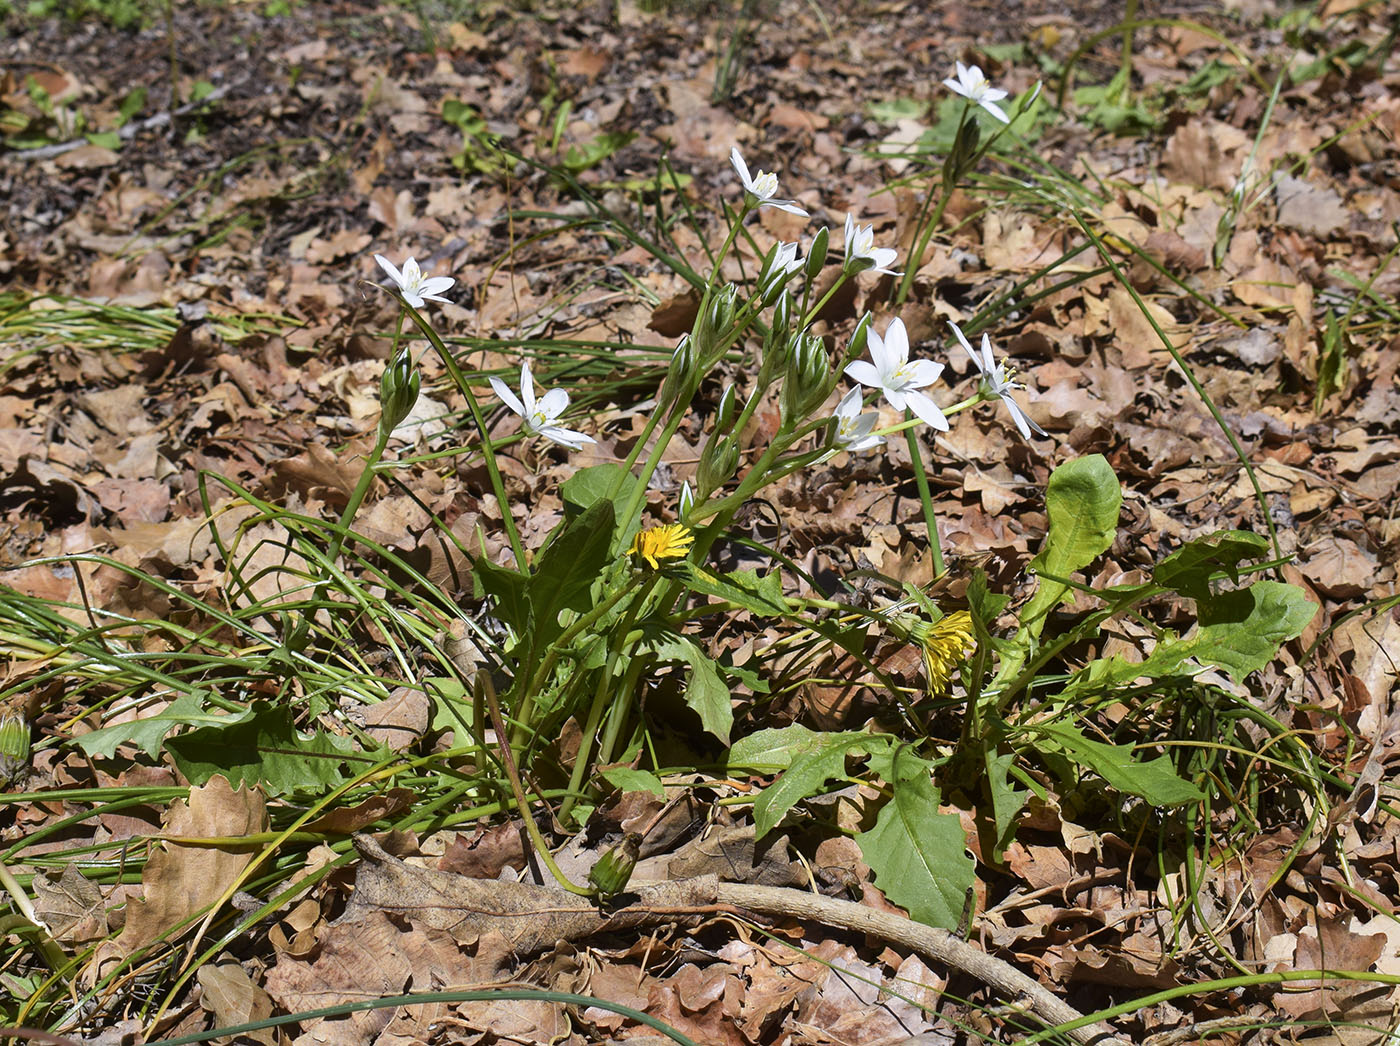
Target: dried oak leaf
x=179, y=881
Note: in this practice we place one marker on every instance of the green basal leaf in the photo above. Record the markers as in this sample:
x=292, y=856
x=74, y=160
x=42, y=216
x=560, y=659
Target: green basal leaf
x=508, y=587
x=581, y=157
x=148, y=732
x=625, y=779
x=705, y=691
x=262, y=749
x=896, y=109
x=1007, y=799
x=919, y=855
x=1082, y=500
x=1156, y=780
x=774, y=748
x=586, y=487
x=808, y=773
x=1188, y=570
x=762, y=596
x=567, y=568
x=1242, y=631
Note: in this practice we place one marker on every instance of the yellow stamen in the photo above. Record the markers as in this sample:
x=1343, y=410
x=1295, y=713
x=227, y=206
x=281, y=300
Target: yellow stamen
x=654, y=544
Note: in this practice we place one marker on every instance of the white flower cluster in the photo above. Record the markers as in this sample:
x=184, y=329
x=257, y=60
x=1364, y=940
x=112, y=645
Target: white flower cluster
x=889, y=370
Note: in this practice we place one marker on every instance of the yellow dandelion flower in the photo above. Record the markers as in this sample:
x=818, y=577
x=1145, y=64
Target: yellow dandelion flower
x=654, y=544
x=945, y=644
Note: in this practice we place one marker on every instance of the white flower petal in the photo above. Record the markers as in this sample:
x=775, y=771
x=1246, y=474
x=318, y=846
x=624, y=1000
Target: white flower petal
x=994, y=109
x=919, y=373
x=565, y=437
x=787, y=205
x=388, y=267
x=740, y=167
x=926, y=410
x=897, y=342
x=962, y=340
x=553, y=403
x=527, y=388
x=850, y=404
x=988, y=365
x=507, y=397
x=865, y=373
x=435, y=285
x=1023, y=421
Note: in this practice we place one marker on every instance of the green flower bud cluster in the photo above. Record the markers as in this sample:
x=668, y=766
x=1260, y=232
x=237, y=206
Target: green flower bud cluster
x=398, y=392
x=808, y=379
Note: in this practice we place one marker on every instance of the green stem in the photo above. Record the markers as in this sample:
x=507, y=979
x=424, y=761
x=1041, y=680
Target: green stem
x=492, y=471
x=587, y=621
x=297, y=640
x=1199, y=389
x=927, y=228
x=601, y=695
x=483, y=683
x=633, y=509
x=812, y=313
x=930, y=519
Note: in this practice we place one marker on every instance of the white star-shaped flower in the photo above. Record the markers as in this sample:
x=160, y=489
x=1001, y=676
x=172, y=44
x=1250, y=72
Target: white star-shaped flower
x=413, y=285
x=853, y=429
x=899, y=377
x=977, y=89
x=540, y=417
x=763, y=186
x=861, y=252
x=996, y=382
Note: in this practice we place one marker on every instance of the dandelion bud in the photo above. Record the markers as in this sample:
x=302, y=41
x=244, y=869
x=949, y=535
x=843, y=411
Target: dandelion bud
x=398, y=392
x=808, y=373
x=816, y=254
x=610, y=875
x=14, y=748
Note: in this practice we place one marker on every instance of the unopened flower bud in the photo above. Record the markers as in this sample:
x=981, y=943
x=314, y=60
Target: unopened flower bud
x=679, y=373
x=778, y=268
x=718, y=462
x=14, y=747
x=711, y=327
x=816, y=254
x=963, y=151
x=808, y=374
x=724, y=415
x=614, y=868
x=398, y=392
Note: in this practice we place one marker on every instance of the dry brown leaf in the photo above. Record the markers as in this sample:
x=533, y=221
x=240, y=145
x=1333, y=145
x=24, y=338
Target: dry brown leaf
x=232, y=997
x=71, y=907
x=180, y=881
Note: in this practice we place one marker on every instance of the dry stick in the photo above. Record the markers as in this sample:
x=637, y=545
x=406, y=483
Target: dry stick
x=937, y=944
x=125, y=132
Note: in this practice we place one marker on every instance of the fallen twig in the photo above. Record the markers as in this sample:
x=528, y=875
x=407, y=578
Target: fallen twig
x=534, y=918
x=126, y=132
